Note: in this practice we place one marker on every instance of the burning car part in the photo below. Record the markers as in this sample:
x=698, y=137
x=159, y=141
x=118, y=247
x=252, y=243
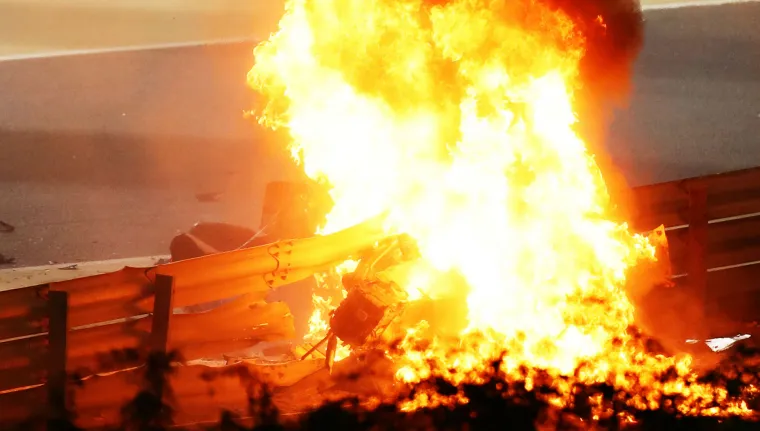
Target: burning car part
x=373, y=301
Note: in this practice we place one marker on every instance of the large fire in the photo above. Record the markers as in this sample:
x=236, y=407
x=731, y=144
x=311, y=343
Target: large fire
x=455, y=120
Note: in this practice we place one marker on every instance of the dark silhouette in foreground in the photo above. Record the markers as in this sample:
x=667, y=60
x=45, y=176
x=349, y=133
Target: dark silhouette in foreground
x=496, y=403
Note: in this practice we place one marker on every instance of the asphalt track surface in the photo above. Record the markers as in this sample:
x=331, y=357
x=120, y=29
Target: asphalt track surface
x=103, y=156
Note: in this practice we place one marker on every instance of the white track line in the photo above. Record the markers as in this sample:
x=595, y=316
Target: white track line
x=696, y=3
x=191, y=44
x=128, y=48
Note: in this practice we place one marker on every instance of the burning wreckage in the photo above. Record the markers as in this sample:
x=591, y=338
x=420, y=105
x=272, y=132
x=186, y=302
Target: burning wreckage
x=471, y=240
x=374, y=297
x=373, y=301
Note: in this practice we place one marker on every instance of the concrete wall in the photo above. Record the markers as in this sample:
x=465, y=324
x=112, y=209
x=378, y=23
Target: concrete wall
x=44, y=27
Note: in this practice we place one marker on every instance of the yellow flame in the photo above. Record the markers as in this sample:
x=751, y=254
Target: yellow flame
x=457, y=120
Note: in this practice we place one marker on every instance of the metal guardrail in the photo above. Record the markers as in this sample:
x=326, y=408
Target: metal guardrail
x=713, y=229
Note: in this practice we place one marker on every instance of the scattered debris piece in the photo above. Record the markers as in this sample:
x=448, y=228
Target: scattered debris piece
x=208, y=197
x=6, y=260
x=6, y=227
x=70, y=267
x=722, y=343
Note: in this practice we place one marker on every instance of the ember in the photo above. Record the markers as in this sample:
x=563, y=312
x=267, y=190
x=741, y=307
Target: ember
x=457, y=121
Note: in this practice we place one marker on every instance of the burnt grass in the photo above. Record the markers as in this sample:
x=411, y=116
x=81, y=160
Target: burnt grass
x=495, y=404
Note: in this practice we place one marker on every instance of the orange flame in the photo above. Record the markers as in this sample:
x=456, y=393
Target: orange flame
x=457, y=120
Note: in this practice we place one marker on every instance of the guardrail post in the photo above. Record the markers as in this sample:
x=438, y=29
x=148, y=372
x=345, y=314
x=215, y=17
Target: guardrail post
x=162, y=312
x=697, y=257
x=58, y=312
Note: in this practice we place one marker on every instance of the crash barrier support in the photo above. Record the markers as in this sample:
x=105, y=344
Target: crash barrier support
x=697, y=243
x=162, y=313
x=713, y=230
x=58, y=311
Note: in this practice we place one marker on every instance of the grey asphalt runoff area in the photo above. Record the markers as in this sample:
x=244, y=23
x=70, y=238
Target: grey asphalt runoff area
x=108, y=156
